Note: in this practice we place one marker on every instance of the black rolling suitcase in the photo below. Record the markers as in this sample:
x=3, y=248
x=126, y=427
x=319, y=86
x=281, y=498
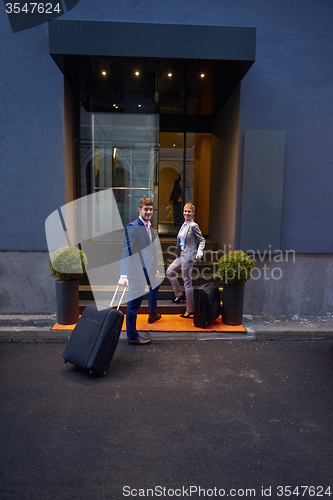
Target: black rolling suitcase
x=95, y=337
x=207, y=305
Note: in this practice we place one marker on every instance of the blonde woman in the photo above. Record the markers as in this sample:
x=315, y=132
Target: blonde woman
x=187, y=251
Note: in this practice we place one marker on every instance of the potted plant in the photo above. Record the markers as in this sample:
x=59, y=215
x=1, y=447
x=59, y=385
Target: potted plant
x=67, y=265
x=234, y=269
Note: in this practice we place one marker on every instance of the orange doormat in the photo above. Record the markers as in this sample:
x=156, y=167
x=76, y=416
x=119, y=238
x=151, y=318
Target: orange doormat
x=170, y=323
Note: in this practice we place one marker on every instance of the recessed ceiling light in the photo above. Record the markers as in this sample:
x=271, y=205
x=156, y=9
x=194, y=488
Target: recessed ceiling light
x=139, y=105
x=137, y=73
x=104, y=72
x=169, y=75
x=202, y=75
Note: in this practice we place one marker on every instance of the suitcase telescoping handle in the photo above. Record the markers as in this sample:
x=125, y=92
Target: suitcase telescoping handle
x=121, y=298
x=200, y=273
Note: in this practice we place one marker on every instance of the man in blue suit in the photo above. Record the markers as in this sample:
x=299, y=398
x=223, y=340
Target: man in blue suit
x=138, y=268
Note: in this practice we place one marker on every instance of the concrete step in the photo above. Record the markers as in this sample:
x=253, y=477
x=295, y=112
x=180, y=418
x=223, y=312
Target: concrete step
x=199, y=275
x=166, y=241
x=207, y=272
x=103, y=295
x=164, y=306
x=100, y=292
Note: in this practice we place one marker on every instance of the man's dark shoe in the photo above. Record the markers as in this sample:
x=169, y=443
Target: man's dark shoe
x=139, y=341
x=154, y=317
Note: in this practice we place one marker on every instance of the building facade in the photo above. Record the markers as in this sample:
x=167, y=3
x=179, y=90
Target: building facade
x=231, y=103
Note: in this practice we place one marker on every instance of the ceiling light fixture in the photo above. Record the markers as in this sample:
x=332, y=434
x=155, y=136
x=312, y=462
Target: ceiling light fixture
x=137, y=73
x=169, y=75
x=202, y=75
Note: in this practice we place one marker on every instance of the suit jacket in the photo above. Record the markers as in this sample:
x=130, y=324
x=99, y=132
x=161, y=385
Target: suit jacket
x=139, y=254
x=192, y=236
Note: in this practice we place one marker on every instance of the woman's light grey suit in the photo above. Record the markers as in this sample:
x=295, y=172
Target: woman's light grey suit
x=185, y=260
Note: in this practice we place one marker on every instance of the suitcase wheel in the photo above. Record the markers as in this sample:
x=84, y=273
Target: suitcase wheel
x=101, y=374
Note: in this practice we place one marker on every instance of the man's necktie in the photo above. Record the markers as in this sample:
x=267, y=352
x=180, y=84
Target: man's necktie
x=149, y=233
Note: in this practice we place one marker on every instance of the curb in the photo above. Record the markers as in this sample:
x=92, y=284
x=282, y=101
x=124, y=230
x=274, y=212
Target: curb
x=37, y=328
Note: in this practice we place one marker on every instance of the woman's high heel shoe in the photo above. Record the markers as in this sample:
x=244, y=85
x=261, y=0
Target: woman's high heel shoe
x=186, y=315
x=178, y=300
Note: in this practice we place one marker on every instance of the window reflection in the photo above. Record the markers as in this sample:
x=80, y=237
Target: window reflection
x=119, y=152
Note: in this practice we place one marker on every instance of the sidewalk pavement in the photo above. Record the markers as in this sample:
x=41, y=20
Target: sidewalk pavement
x=37, y=328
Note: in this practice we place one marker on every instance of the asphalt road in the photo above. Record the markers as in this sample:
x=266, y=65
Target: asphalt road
x=237, y=419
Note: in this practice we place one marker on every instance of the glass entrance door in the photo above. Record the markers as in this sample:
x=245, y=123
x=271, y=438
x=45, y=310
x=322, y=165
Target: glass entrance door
x=119, y=151
x=127, y=153
x=183, y=177
x=170, y=181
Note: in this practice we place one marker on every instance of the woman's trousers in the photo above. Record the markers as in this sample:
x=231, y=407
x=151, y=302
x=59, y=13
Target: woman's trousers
x=186, y=268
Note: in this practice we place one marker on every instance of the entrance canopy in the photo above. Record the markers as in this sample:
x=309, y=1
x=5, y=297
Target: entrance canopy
x=152, y=40
x=178, y=70
x=150, y=95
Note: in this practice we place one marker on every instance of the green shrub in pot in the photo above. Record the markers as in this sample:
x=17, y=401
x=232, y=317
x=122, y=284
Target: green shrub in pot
x=235, y=268
x=68, y=263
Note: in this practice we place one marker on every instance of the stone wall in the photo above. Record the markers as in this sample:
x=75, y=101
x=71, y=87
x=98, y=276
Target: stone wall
x=26, y=284
x=301, y=284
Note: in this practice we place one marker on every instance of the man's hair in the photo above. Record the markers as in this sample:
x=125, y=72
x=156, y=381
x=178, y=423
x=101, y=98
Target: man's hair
x=190, y=206
x=145, y=201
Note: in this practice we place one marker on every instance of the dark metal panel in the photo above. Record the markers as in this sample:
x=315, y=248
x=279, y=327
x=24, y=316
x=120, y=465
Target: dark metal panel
x=264, y=158
x=152, y=40
x=186, y=123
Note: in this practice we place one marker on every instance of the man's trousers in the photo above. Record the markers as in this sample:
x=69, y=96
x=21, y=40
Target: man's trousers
x=136, y=291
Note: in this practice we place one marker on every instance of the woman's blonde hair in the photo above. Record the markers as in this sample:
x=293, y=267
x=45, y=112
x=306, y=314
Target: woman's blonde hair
x=190, y=206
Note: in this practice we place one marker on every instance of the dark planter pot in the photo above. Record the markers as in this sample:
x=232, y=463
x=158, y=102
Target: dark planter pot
x=67, y=294
x=232, y=305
